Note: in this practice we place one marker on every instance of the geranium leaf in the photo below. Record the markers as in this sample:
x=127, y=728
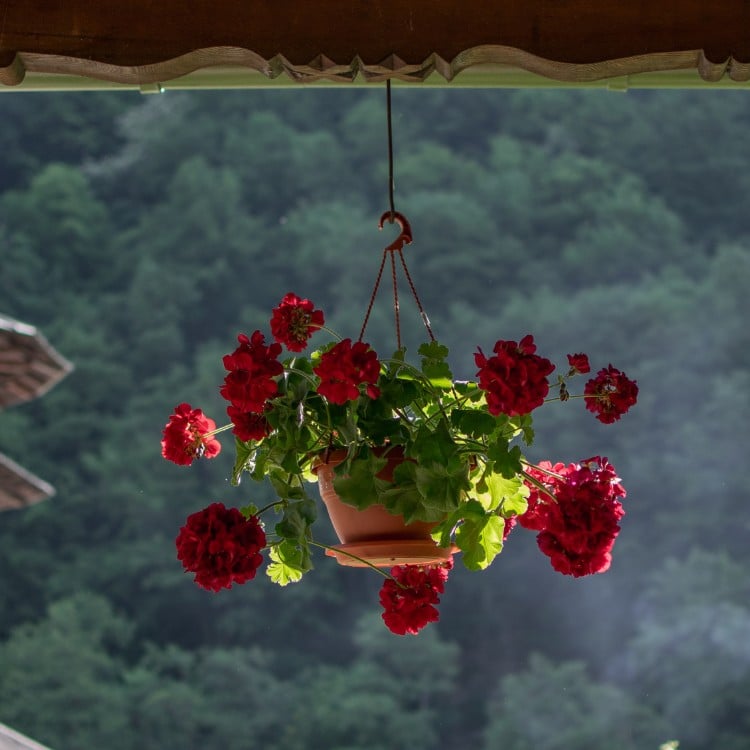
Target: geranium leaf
x=506, y=460
x=398, y=393
x=244, y=452
x=525, y=422
x=404, y=498
x=376, y=420
x=285, y=488
x=479, y=537
x=515, y=502
x=296, y=384
x=359, y=486
x=473, y=422
x=444, y=530
x=434, y=366
x=441, y=485
x=296, y=520
x=289, y=563
x=496, y=491
x=433, y=350
x=433, y=446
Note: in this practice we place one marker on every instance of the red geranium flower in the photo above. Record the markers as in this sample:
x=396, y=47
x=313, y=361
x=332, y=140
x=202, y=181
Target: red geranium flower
x=515, y=379
x=185, y=436
x=578, y=530
x=252, y=367
x=248, y=425
x=294, y=321
x=579, y=363
x=411, y=605
x=610, y=394
x=220, y=546
x=343, y=368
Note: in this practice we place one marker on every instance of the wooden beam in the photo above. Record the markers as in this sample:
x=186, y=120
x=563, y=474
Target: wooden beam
x=29, y=365
x=142, y=41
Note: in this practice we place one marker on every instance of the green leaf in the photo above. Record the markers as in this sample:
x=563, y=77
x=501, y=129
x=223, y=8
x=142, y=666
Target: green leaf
x=375, y=416
x=506, y=460
x=286, y=487
x=244, y=454
x=497, y=492
x=296, y=520
x=515, y=502
x=398, y=393
x=442, y=486
x=434, y=366
x=249, y=510
x=404, y=498
x=296, y=384
x=442, y=473
x=473, y=422
x=480, y=536
x=525, y=422
x=444, y=530
x=433, y=350
x=286, y=566
x=359, y=486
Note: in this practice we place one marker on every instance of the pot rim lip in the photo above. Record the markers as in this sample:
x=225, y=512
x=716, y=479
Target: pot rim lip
x=335, y=456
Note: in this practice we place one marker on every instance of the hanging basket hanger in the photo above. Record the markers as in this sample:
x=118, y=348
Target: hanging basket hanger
x=396, y=247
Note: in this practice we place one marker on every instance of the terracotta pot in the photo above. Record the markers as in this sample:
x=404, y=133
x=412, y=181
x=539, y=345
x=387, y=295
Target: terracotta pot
x=373, y=534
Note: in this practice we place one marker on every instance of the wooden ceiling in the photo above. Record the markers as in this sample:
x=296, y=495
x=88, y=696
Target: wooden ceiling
x=152, y=42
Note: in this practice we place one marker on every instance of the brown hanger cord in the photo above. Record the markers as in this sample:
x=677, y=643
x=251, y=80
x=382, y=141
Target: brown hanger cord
x=396, y=246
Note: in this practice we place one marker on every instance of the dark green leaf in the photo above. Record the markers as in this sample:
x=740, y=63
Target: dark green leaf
x=473, y=422
x=506, y=460
x=359, y=486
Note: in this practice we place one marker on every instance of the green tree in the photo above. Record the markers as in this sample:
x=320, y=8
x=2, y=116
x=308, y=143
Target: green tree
x=388, y=698
x=559, y=707
x=61, y=676
x=693, y=607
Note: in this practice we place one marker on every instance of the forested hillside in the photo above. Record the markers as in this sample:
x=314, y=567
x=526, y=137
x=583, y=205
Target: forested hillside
x=141, y=234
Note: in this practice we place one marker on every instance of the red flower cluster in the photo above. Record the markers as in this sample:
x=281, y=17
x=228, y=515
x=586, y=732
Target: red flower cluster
x=220, y=546
x=578, y=531
x=579, y=363
x=294, y=321
x=185, y=436
x=411, y=605
x=343, y=368
x=515, y=379
x=252, y=367
x=248, y=425
x=610, y=394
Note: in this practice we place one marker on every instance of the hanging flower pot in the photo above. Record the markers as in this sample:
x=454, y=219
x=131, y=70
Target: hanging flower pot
x=453, y=476
x=373, y=535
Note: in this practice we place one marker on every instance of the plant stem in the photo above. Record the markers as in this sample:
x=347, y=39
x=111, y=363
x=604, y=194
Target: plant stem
x=309, y=378
x=354, y=557
x=327, y=330
x=269, y=506
x=539, y=468
x=539, y=486
x=224, y=428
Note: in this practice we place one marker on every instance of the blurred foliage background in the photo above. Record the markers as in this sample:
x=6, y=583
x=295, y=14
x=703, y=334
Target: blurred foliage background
x=142, y=234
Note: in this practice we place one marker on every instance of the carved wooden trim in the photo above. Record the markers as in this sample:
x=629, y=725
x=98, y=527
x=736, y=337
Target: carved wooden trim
x=322, y=69
x=142, y=42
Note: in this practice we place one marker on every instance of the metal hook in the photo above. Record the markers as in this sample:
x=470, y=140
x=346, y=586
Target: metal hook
x=404, y=238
